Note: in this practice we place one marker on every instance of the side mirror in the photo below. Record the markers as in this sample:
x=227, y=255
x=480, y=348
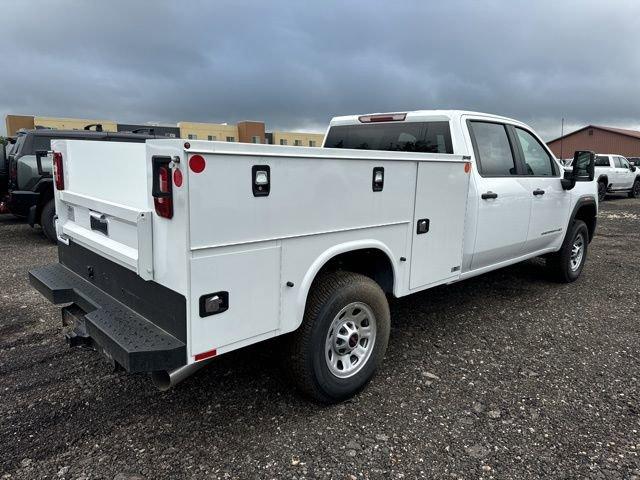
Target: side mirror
x=583, y=169
x=632, y=168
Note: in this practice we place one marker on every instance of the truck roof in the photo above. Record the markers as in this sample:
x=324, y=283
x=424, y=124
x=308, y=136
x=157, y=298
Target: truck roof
x=422, y=115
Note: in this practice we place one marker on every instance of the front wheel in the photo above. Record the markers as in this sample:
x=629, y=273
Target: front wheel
x=635, y=190
x=567, y=264
x=342, y=339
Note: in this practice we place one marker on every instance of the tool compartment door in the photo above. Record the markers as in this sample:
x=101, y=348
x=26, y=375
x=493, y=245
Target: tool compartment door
x=438, y=227
x=250, y=278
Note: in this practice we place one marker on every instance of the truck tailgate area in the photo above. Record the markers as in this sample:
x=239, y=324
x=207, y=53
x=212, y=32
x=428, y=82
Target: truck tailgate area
x=104, y=205
x=151, y=338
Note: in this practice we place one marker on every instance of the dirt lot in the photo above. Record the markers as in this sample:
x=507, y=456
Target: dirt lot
x=503, y=376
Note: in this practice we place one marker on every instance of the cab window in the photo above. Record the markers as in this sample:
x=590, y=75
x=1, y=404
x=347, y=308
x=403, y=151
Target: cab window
x=428, y=137
x=617, y=162
x=493, y=150
x=537, y=161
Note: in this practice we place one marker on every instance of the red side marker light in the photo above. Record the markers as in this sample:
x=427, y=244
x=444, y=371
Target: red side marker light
x=197, y=163
x=467, y=167
x=177, y=178
x=205, y=355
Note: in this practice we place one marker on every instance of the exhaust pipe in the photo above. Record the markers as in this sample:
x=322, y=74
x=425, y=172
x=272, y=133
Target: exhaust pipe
x=165, y=379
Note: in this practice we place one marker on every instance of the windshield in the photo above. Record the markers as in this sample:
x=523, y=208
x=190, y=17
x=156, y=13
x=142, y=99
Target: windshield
x=430, y=137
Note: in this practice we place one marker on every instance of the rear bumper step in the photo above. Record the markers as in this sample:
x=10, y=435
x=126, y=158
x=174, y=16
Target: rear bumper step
x=131, y=340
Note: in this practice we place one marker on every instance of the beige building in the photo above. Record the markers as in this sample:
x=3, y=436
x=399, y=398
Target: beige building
x=74, y=123
x=208, y=131
x=298, y=139
x=246, y=131
x=29, y=122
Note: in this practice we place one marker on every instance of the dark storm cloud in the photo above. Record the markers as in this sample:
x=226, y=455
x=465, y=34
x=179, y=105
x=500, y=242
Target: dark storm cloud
x=295, y=64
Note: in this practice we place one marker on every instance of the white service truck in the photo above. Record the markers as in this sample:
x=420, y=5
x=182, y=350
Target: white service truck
x=173, y=252
x=616, y=175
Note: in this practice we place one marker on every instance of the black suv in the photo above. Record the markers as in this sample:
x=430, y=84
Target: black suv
x=30, y=183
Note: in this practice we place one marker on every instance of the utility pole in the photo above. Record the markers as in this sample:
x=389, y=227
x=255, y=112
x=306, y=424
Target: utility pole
x=561, y=137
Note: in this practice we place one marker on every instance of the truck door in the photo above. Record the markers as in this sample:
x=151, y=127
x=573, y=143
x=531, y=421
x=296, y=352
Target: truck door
x=550, y=202
x=503, y=200
x=627, y=177
x=617, y=173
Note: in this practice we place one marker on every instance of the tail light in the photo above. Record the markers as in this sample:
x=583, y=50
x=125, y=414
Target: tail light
x=162, y=188
x=58, y=171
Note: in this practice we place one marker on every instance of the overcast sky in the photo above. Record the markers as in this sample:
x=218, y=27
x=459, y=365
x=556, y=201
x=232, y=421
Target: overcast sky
x=296, y=64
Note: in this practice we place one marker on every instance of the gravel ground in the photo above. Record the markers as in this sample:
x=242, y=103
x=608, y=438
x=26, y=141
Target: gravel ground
x=503, y=376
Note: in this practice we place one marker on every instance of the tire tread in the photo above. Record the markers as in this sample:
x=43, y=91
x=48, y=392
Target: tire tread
x=299, y=349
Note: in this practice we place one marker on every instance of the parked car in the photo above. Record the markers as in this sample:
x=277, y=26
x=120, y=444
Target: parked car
x=29, y=193
x=616, y=175
x=181, y=251
x=635, y=161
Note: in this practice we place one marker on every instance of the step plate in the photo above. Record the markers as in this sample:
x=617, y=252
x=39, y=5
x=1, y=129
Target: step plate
x=133, y=341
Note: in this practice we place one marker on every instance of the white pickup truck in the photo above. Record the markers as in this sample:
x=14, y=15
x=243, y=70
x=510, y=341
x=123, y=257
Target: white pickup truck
x=173, y=252
x=616, y=175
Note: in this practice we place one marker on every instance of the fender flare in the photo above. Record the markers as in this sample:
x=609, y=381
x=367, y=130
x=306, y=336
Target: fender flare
x=326, y=256
x=587, y=200
x=604, y=177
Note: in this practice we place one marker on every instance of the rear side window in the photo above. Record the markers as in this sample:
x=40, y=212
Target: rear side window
x=493, y=150
x=602, y=161
x=40, y=143
x=536, y=159
x=428, y=137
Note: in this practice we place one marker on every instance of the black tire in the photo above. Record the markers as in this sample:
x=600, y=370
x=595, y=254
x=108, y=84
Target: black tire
x=47, y=221
x=602, y=191
x=635, y=190
x=307, y=355
x=562, y=265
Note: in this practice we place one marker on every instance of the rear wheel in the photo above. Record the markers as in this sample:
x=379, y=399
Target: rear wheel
x=47, y=221
x=602, y=191
x=635, y=190
x=342, y=339
x=567, y=264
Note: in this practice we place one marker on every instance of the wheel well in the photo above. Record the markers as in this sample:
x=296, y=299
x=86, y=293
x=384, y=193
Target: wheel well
x=46, y=194
x=603, y=178
x=371, y=262
x=587, y=213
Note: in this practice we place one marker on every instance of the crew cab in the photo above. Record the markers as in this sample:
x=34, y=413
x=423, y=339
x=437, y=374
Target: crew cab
x=616, y=175
x=175, y=252
x=29, y=189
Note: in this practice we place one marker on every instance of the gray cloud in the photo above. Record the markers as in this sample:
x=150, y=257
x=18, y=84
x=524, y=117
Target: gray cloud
x=296, y=64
